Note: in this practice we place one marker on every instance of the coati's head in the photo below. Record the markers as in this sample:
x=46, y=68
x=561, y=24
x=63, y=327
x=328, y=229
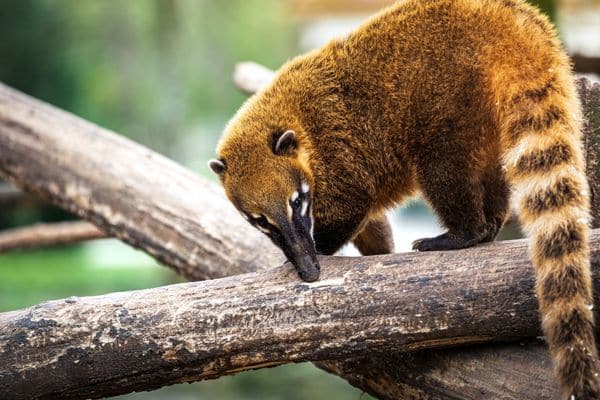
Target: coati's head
x=263, y=168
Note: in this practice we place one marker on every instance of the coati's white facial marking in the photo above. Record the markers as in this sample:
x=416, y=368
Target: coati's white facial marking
x=293, y=198
x=304, y=207
x=305, y=188
x=312, y=224
x=262, y=229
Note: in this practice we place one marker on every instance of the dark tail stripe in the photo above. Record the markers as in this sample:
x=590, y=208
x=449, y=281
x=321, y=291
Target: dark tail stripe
x=538, y=94
x=565, y=240
x=564, y=191
x=544, y=160
x=536, y=123
x=563, y=283
x=568, y=329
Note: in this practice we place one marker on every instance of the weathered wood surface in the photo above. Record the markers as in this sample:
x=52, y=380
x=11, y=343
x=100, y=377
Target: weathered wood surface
x=384, y=386
x=125, y=189
x=48, y=235
x=590, y=99
x=149, y=338
x=483, y=372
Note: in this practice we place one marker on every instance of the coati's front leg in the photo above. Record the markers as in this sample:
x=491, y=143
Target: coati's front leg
x=375, y=238
x=495, y=201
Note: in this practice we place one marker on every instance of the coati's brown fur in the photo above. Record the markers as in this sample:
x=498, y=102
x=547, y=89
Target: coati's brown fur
x=462, y=101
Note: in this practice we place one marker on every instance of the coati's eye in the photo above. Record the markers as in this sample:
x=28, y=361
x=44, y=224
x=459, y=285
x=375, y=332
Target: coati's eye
x=262, y=221
x=297, y=203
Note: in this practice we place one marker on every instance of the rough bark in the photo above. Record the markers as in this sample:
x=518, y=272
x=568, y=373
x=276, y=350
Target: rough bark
x=150, y=338
x=590, y=99
x=488, y=371
x=48, y=235
x=96, y=148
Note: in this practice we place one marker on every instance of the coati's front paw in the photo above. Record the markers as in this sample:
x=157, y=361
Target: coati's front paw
x=446, y=241
x=430, y=244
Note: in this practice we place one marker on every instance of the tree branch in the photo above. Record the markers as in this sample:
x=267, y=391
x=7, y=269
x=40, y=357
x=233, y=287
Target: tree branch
x=48, y=234
x=249, y=76
x=106, y=345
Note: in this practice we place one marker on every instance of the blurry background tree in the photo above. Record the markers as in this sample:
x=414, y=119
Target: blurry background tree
x=159, y=71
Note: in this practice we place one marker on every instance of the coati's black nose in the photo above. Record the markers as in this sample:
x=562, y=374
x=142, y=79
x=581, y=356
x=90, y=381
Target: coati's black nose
x=308, y=268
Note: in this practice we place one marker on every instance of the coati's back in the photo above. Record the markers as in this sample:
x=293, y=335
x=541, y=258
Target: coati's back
x=463, y=101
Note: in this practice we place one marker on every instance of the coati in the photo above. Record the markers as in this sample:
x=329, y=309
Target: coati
x=470, y=103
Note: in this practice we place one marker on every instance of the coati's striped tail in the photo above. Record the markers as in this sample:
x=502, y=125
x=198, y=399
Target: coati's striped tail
x=545, y=168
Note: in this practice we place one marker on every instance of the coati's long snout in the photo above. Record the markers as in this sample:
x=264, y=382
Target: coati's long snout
x=299, y=248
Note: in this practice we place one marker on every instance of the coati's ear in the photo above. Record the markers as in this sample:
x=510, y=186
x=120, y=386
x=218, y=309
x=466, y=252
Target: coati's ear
x=217, y=166
x=286, y=143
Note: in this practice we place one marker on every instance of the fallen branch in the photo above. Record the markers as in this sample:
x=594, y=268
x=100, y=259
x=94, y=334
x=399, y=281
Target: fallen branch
x=48, y=235
x=117, y=343
x=249, y=77
x=187, y=222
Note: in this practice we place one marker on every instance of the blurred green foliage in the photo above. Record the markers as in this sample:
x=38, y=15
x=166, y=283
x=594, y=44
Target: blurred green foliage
x=157, y=71
x=33, y=276
x=289, y=382
x=547, y=6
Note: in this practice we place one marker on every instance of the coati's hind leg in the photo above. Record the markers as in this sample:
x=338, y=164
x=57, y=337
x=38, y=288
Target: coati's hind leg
x=495, y=201
x=454, y=190
x=375, y=237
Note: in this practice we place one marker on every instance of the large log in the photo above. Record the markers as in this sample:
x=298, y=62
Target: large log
x=112, y=344
x=27, y=117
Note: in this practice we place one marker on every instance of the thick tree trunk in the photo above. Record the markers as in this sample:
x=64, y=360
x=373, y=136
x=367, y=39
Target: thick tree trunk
x=181, y=225
x=105, y=345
